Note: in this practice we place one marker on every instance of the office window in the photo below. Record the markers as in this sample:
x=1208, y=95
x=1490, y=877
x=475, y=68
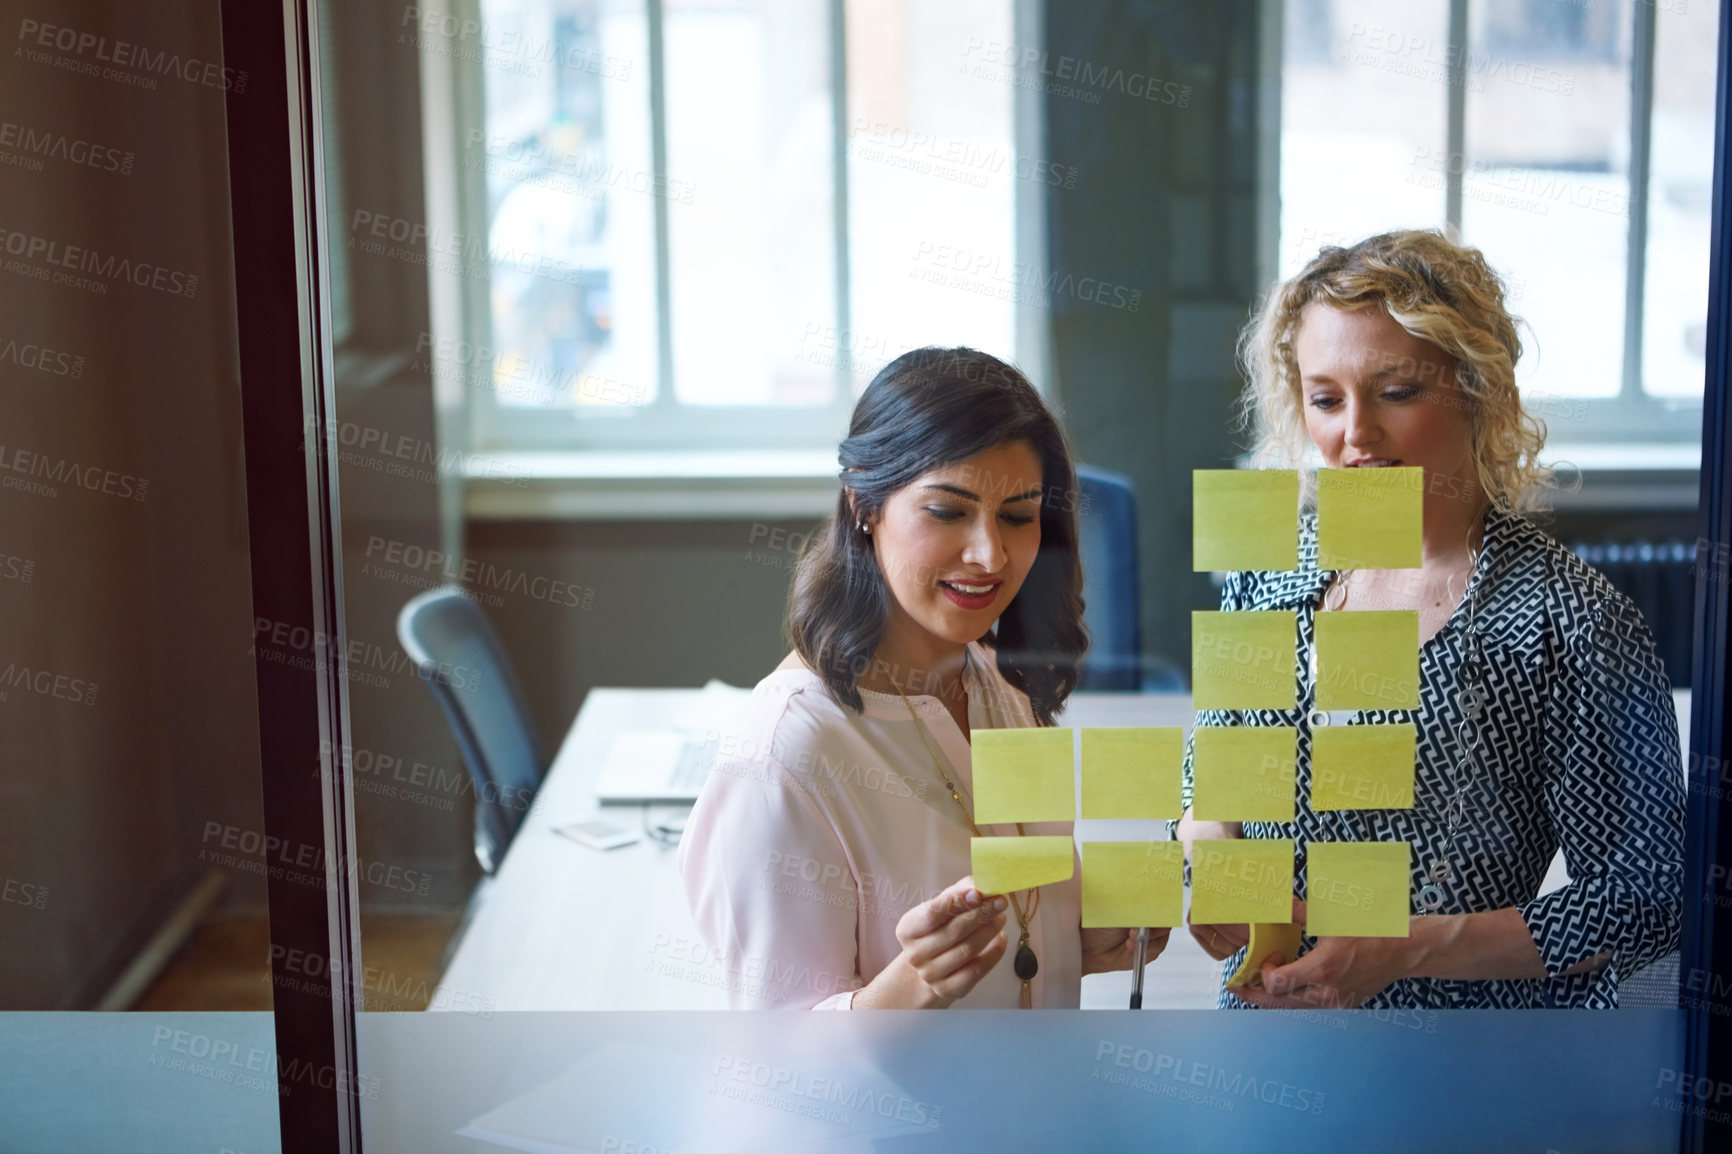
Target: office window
x=708, y=220
x=1359, y=125
x=1570, y=141
x=570, y=193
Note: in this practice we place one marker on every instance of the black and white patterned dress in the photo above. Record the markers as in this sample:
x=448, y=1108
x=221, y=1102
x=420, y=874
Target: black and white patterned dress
x=1577, y=748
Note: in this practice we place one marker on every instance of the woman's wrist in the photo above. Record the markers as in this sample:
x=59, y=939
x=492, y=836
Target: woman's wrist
x=1494, y=945
x=1428, y=939
x=899, y=987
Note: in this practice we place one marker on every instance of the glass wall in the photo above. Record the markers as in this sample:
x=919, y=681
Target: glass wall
x=699, y=212
x=597, y=286
x=135, y=945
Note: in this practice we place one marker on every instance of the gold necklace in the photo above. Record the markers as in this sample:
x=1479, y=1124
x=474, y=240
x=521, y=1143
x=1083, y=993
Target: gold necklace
x=1025, y=964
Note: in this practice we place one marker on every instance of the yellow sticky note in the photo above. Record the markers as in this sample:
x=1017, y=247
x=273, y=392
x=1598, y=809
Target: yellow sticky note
x=1362, y=767
x=1244, y=519
x=1002, y=865
x=1358, y=889
x=1368, y=659
x=1369, y=518
x=1238, y=880
x=1243, y=660
x=1266, y=938
x=1243, y=772
x=1132, y=773
x=1133, y=883
x=1023, y=775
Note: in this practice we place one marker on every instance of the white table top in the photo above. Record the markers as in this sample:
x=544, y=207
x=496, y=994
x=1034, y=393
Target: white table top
x=565, y=927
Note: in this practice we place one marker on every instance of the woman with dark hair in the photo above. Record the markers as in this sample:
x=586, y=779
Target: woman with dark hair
x=827, y=860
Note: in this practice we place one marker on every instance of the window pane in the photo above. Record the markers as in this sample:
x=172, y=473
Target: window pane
x=932, y=169
x=570, y=195
x=1680, y=179
x=1545, y=187
x=1363, y=102
x=751, y=219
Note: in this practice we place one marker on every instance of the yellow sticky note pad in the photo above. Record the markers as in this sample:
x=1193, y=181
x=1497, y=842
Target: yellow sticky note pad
x=1243, y=660
x=1244, y=519
x=1002, y=865
x=1357, y=889
x=1266, y=939
x=1368, y=659
x=1369, y=518
x=1132, y=773
x=1362, y=767
x=1236, y=880
x=1023, y=775
x=1133, y=883
x=1243, y=772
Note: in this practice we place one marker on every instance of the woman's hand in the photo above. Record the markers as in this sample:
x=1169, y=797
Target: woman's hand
x=948, y=945
x=1104, y=950
x=1337, y=974
x=1220, y=942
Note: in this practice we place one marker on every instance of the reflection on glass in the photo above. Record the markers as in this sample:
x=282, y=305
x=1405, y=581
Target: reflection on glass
x=1363, y=99
x=1680, y=178
x=932, y=171
x=1545, y=181
x=751, y=238
x=570, y=194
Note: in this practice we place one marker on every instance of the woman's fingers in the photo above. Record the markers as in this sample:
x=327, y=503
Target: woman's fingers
x=935, y=912
x=1221, y=942
x=945, y=962
x=964, y=979
x=935, y=926
x=1158, y=939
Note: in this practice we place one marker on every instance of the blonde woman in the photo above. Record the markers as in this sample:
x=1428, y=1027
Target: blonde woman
x=1545, y=719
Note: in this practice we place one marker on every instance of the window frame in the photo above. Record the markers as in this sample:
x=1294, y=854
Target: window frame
x=665, y=423
x=1633, y=415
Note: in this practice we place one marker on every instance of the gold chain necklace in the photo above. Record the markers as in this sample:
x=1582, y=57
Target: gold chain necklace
x=1026, y=964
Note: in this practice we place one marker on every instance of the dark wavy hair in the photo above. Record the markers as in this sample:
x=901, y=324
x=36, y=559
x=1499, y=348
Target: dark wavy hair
x=924, y=410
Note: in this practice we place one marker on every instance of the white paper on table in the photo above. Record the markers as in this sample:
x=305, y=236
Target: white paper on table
x=714, y=708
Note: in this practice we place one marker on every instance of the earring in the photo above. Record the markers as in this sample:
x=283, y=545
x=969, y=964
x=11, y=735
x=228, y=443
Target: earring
x=863, y=527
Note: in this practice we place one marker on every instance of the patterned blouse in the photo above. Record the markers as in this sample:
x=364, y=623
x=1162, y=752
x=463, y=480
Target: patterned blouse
x=1565, y=715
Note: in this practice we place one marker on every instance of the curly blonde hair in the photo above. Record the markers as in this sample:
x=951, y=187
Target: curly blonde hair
x=1439, y=291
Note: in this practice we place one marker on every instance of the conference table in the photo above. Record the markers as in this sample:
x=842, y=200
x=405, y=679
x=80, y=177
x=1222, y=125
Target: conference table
x=562, y=926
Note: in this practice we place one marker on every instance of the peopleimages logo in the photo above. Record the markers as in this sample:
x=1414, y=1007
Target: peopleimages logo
x=127, y=59
x=47, y=683
x=34, y=471
x=33, y=146
x=41, y=359
x=79, y=259
x=299, y=647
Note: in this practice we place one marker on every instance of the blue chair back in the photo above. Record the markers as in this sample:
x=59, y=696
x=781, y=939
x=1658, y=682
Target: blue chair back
x=1107, y=538
x=457, y=653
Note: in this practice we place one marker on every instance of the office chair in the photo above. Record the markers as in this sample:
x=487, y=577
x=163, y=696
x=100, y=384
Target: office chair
x=1652, y=988
x=1107, y=540
x=1112, y=604
x=457, y=653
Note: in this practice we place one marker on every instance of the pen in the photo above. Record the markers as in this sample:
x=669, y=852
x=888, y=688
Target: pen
x=1137, y=960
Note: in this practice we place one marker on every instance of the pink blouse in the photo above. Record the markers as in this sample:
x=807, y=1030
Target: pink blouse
x=820, y=827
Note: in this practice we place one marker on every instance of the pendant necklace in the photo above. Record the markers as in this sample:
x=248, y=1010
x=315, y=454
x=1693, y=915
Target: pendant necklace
x=1469, y=700
x=1025, y=964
